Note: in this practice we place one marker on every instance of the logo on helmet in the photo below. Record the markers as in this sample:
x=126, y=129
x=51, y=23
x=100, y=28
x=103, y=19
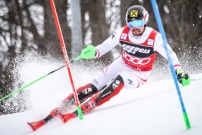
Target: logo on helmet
x=134, y=13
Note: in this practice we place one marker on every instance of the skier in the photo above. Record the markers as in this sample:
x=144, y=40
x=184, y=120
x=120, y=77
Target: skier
x=132, y=69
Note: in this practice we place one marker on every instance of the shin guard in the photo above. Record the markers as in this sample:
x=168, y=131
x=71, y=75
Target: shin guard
x=82, y=92
x=110, y=91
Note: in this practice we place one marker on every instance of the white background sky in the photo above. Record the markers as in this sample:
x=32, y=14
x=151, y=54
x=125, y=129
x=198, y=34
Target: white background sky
x=153, y=109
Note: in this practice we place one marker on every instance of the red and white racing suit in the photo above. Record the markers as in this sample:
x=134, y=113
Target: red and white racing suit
x=138, y=56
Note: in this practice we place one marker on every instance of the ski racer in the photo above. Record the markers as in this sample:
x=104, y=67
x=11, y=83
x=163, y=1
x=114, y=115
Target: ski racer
x=132, y=69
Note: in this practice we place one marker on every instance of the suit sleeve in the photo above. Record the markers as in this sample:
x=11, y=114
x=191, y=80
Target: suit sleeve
x=108, y=44
x=159, y=47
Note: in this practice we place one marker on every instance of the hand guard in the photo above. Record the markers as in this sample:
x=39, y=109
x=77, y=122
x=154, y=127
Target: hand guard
x=89, y=52
x=183, y=78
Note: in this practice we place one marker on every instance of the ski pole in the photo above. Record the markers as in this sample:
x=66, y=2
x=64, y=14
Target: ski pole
x=36, y=80
x=83, y=55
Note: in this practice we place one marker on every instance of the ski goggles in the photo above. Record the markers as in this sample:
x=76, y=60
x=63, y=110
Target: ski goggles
x=138, y=23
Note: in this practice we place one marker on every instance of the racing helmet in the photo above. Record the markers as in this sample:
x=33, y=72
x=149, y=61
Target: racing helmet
x=136, y=16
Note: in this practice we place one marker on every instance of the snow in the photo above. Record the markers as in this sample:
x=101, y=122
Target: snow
x=153, y=109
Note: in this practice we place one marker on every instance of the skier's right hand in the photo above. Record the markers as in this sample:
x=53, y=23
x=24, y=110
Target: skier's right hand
x=88, y=52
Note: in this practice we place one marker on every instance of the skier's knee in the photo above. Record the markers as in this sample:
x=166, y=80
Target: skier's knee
x=129, y=81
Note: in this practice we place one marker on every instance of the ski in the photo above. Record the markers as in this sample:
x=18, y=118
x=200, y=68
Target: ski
x=87, y=105
x=54, y=113
x=37, y=124
x=67, y=117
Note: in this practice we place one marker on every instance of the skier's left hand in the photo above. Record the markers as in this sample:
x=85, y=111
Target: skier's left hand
x=182, y=77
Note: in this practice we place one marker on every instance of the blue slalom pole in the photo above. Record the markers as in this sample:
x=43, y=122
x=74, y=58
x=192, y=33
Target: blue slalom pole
x=161, y=29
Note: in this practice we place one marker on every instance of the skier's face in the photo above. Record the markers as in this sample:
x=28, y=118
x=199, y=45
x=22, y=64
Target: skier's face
x=136, y=26
x=137, y=31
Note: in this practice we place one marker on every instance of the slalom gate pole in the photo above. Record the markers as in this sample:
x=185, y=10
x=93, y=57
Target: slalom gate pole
x=161, y=29
x=66, y=57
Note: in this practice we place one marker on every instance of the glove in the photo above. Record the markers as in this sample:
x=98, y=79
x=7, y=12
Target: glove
x=183, y=78
x=88, y=52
